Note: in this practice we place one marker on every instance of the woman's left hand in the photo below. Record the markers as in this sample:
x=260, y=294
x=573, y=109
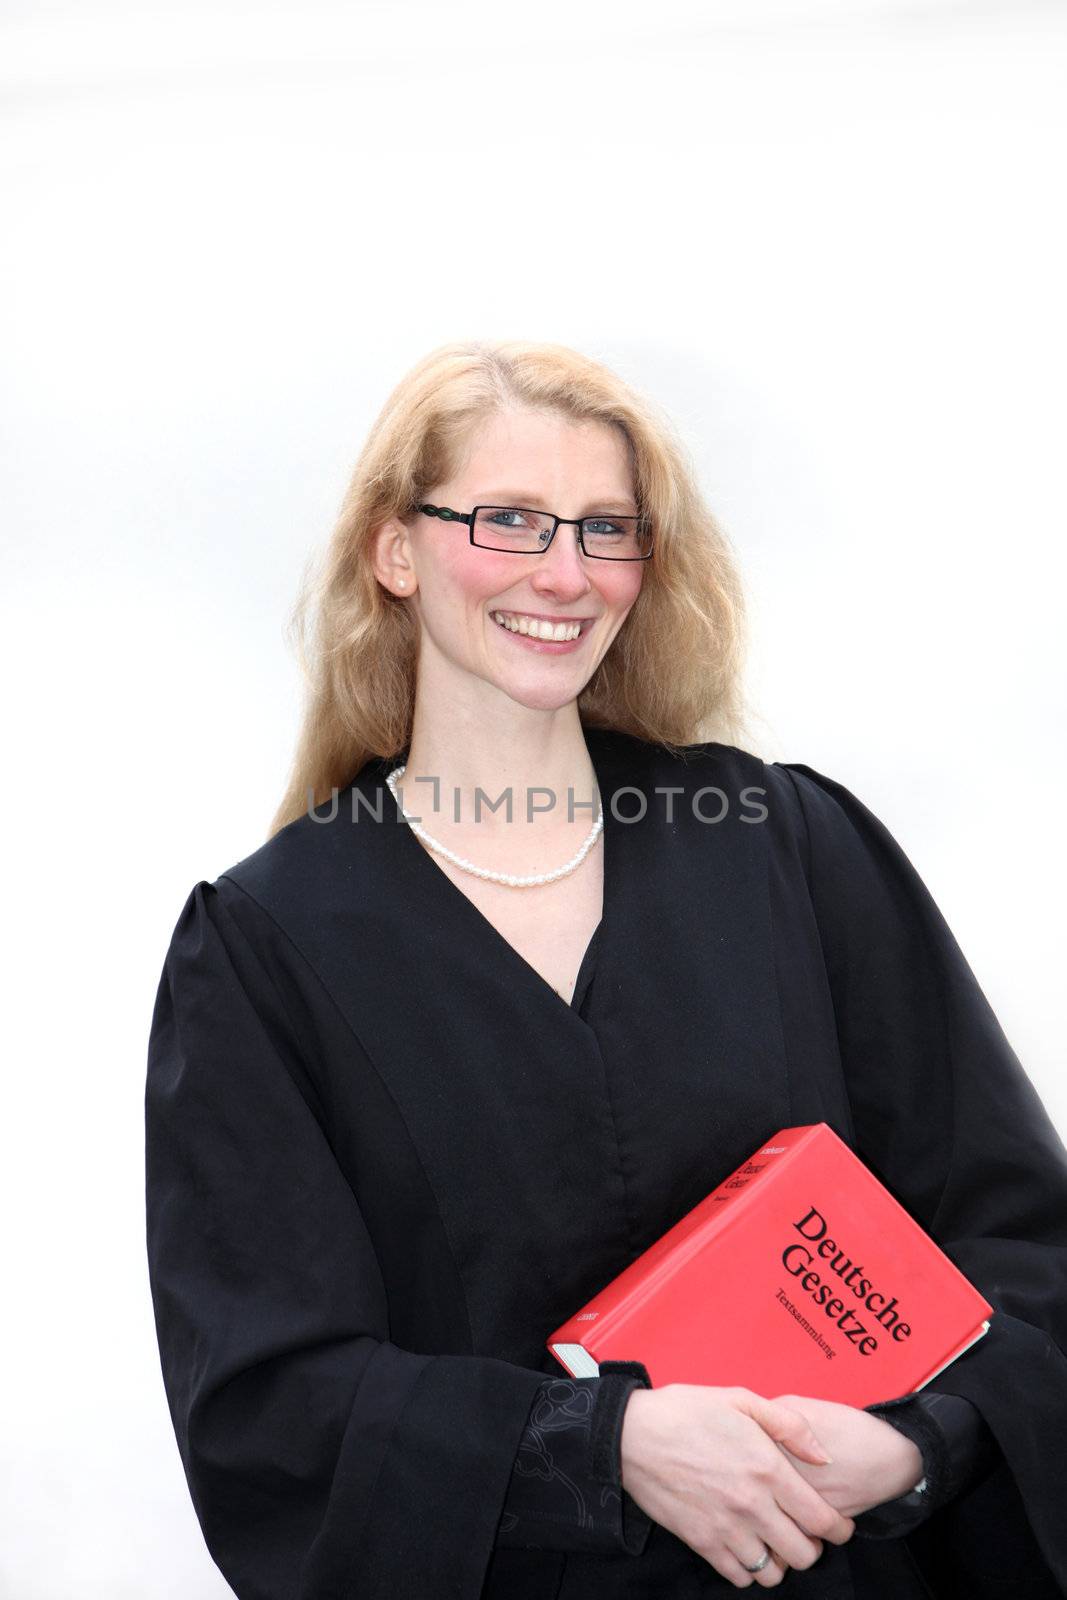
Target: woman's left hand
x=872, y=1461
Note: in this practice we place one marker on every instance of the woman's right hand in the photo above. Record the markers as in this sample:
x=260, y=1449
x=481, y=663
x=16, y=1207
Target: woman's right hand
x=705, y=1463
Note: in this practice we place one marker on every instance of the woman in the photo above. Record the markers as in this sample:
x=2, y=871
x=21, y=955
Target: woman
x=426, y=1071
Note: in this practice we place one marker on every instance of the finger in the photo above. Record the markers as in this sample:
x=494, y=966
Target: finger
x=813, y=1514
x=770, y=1576
x=782, y=1536
x=773, y=1573
x=786, y=1427
x=732, y=1567
x=806, y=1507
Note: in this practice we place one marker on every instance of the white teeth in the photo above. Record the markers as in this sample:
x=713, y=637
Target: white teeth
x=536, y=628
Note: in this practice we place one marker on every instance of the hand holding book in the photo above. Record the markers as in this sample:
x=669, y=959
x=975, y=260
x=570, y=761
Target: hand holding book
x=800, y=1271
x=706, y=1463
x=872, y=1462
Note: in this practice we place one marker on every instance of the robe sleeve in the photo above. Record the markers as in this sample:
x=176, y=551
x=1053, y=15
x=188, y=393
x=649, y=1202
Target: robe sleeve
x=957, y=1448
x=566, y=1488
x=322, y=1460
x=947, y=1119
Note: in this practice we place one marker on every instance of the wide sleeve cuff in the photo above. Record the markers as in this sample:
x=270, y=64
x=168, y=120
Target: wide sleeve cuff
x=957, y=1450
x=893, y=1518
x=618, y=1381
x=566, y=1491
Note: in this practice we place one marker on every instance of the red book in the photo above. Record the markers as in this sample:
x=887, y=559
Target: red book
x=800, y=1274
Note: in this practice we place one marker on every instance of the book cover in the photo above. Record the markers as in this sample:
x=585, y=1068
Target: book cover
x=799, y=1274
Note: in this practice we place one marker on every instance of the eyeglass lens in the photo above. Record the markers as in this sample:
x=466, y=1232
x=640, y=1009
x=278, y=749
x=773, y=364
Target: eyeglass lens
x=508, y=528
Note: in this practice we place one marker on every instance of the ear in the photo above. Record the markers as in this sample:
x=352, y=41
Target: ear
x=392, y=557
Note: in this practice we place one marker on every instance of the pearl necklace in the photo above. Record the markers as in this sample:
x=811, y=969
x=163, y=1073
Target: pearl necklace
x=508, y=878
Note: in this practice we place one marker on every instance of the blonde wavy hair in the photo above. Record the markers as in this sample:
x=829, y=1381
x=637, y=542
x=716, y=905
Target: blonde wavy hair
x=673, y=673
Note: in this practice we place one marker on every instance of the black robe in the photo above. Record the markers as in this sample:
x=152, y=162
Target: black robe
x=568, y=1468
x=385, y=1159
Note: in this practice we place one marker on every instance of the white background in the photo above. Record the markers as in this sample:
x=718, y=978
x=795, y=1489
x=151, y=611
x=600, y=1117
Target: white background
x=827, y=238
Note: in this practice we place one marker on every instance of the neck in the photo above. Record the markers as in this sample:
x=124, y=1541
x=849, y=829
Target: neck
x=542, y=764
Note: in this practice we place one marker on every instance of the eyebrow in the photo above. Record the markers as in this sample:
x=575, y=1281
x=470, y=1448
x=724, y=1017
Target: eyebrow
x=525, y=498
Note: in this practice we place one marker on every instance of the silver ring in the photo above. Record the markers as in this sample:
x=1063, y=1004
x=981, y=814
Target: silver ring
x=761, y=1563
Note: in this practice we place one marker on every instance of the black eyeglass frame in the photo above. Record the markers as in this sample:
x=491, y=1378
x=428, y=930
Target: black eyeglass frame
x=447, y=515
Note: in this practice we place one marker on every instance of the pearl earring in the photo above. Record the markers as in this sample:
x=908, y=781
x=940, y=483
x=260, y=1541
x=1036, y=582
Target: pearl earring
x=402, y=582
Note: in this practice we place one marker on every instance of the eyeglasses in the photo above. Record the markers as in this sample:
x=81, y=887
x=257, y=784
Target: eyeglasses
x=523, y=532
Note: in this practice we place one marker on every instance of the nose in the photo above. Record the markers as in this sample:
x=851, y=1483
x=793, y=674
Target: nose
x=562, y=568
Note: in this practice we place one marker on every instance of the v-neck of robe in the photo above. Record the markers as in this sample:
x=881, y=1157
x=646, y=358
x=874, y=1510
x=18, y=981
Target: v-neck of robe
x=441, y=887
x=583, y=982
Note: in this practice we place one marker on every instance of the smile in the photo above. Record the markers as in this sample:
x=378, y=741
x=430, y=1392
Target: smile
x=538, y=628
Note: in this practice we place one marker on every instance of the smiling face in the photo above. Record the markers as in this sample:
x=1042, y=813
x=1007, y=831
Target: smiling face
x=543, y=461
